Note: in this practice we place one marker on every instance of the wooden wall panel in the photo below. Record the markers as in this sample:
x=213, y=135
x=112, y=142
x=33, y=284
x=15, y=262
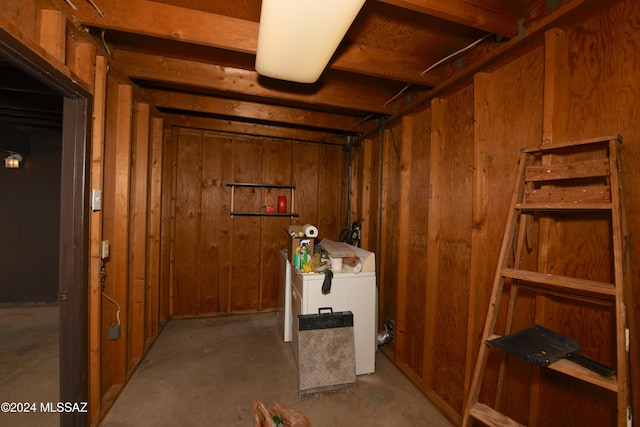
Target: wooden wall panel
x=505, y=122
x=245, y=265
x=21, y=19
x=620, y=101
x=449, y=246
x=604, y=97
x=589, y=103
x=116, y=198
x=187, y=223
x=138, y=233
x=95, y=230
x=413, y=236
x=330, y=177
x=305, y=178
x=362, y=200
x=389, y=200
x=233, y=263
x=53, y=33
x=154, y=254
x=166, y=226
x=276, y=169
x=215, y=233
x=366, y=205
x=370, y=210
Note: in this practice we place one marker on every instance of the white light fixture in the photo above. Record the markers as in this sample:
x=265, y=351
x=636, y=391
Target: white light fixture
x=297, y=38
x=12, y=161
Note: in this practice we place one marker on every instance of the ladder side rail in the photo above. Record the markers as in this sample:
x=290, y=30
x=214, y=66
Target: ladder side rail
x=523, y=225
x=621, y=317
x=498, y=282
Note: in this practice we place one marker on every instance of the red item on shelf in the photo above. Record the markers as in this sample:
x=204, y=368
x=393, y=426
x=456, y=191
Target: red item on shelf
x=282, y=204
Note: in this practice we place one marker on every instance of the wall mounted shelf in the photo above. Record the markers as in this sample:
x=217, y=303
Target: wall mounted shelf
x=233, y=212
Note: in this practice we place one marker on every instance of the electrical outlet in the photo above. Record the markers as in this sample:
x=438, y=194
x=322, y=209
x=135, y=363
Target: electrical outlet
x=104, y=249
x=114, y=332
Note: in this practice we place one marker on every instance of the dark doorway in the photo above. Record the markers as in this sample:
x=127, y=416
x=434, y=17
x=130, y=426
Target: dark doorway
x=73, y=221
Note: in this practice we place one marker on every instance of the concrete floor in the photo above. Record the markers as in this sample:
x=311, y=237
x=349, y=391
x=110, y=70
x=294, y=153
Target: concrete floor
x=29, y=363
x=209, y=371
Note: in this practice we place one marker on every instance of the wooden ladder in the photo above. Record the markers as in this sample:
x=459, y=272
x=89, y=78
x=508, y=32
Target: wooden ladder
x=547, y=184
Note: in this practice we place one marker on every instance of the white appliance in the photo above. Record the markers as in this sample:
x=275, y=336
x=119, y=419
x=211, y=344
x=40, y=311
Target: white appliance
x=350, y=291
x=284, y=296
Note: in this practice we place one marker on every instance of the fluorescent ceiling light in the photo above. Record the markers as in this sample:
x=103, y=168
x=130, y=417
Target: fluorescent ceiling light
x=297, y=38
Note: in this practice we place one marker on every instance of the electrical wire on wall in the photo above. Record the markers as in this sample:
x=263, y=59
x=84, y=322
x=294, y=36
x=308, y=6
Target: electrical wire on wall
x=103, y=275
x=438, y=63
x=74, y=7
x=114, y=303
x=95, y=6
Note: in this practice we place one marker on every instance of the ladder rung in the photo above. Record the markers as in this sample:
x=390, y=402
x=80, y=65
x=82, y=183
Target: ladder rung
x=591, y=206
x=572, y=143
x=570, y=170
x=573, y=369
x=570, y=195
x=561, y=282
x=491, y=417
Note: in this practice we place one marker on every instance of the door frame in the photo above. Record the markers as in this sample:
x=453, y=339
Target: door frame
x=74, y=222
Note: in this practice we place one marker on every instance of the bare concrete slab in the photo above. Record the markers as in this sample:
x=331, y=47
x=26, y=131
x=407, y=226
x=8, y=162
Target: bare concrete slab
x=209, y=371
x=29, y=365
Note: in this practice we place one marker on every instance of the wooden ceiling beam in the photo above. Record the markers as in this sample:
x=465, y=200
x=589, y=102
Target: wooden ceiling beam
x=202, y=28
x=346, y=97
x=493, y=16
x=249, y=110
x=157, y=19
x=253, y=129
x=361, y=59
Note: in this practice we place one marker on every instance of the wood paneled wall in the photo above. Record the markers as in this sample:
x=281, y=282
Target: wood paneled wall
x=436, y=255
x=131, y=295
x=503, y=126
x=225, y=263
x=126, y=164
x=449, y=244
x=441, y=231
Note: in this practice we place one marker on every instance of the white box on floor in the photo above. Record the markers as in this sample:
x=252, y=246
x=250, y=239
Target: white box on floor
x=355, y=292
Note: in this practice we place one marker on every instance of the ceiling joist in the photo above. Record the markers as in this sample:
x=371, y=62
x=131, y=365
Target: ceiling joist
x=207, y=29
x=199, y=75
x=249, y=110
x=254, y=129
x=493, y=16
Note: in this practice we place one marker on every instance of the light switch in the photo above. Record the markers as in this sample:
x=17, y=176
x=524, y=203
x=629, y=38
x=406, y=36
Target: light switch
x=96, y=200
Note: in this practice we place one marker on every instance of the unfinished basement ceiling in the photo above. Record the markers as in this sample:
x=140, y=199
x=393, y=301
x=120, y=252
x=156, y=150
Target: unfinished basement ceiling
x=194, y=60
